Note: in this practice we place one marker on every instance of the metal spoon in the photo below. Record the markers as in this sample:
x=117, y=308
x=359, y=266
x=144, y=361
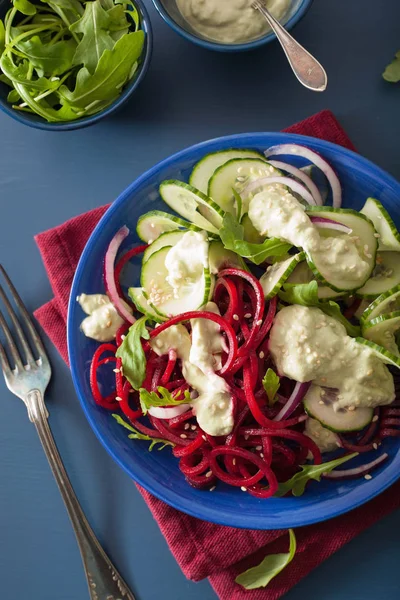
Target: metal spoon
x=306, y=68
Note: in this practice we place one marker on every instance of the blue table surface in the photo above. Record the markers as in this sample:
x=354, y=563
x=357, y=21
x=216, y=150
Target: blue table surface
x=189, y=95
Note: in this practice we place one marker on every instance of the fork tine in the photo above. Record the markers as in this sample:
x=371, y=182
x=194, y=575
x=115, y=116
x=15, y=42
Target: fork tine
x=18, y=328
x=11, y=343
x=4, y=362
x=37, y=342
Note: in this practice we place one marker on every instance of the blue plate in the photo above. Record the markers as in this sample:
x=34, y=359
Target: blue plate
x=158, y=471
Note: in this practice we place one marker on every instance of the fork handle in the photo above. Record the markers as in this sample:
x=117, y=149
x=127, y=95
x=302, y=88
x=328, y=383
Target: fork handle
x=104, y=581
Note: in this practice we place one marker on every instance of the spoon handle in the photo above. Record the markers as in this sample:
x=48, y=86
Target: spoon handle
x=306, y=68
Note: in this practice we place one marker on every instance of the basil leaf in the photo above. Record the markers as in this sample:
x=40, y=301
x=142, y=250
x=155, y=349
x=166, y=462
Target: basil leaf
x=136, y=435
x=306, y=294
x=298, y=482
x=392, y=71
x=270, y=567
x=271, y=384
x=132, y=355
x=94, y=25
x=53, y=59
x=232, y=237
x=163, y=398
x=111, y=74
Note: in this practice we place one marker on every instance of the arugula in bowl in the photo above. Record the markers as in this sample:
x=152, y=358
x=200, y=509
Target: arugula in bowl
x=66, y=59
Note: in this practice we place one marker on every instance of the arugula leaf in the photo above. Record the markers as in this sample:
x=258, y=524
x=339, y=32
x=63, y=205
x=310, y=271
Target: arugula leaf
x=13, y=96
x=306, y=294
x=52, y=59
x=298, y=482
x=270, y=567
x=239, y=202
x=2, y=36
x=165, y=398
x=25, y=7
x=111, y=74
x=68, y=10
x=19, y=74
x=136, y=435
x=132, y=355
x=271, y=384
x=392, y=71
x=94, y=25
x=232, y=237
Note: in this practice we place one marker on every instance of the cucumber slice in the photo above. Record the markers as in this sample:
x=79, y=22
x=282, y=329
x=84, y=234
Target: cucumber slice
x=250, y=233
x=204, y=169
x=303, y=274
x=362, y=228
x=385, y=303
x=152, y=224
x=384, y=355
x=382, y=330
x=277, y=274
x=361, y=309
x=192, y=204
x=169, y=238
x=221, y=258
x=141, y=303
x=389, y=236
x=160, y=294
x=318, y=407
x=236, y=174
x=385, y=276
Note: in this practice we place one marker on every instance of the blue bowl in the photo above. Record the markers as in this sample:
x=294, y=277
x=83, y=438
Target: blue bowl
x=172, y=16
x=128, y=91
x=158, y=471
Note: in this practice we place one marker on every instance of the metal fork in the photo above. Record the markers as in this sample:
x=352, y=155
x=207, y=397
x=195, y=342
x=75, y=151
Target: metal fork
x=28, y=378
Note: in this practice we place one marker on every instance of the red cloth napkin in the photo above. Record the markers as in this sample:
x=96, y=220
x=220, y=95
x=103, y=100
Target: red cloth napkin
x=201, y=548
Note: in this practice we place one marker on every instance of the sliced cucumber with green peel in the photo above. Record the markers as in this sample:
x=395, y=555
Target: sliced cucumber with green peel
x=384, y=355
x=362, y=228
x=389, y=236
x=385, y=303
x=277, y=274
x=385, y=276
x=382, y=331
x=220, y=258
x=141, y=303
x=204, y=169
x=303, y=274
x=318, y=407
x=192, y=204
x=160, y=294
x=169, y=238
x=152, y=224
x=250, y=233
x=235, y=175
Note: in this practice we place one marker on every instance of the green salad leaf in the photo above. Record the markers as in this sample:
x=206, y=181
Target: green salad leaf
x=136, y=435
x=68, y=10
x=232, y=237
x=392, y=71
x=19, y=74
x=270, y=567
x=52, y=59
x=94, y=25
x=132, y=355
x=271, y=384
x=25, y=7
x=163, y=398
x=298, y=482
x=111, y=74
x=2, y=36
x=306, y=294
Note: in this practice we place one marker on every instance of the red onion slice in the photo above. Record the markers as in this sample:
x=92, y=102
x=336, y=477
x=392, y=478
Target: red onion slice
x=109, y=275
x=323, y=223
x=317, y=160
x=299, y=391
x=168, y=412
x=357, y=471
x=295, y=186
x=304, y=177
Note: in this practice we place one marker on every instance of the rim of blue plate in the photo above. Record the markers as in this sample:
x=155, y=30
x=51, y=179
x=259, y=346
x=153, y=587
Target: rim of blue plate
x=126, y=94
x=210, y=45
x=360, y=495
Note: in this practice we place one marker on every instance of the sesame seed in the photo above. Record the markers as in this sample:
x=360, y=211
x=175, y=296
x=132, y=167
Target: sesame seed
x=243, y=489
x=236, y=317
x=352, y=408
x=186, y=426
x=321, y=402
x=193, y=427
x=375, y=446
x=246, y=437
x=261, y=355
x=247, y=316
x=338, y=444
x=183, y=436
x=367, y=476
x=375, y=418
x=123, y=337
x=212, y=488
x=262, y=455
x=259, y=322
x=209, y=474
x=204, y=438
x=234, y=461
x=258, y=448
x=108, y=324
x=377, y=235
x=118, y=399
x=116, y=370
